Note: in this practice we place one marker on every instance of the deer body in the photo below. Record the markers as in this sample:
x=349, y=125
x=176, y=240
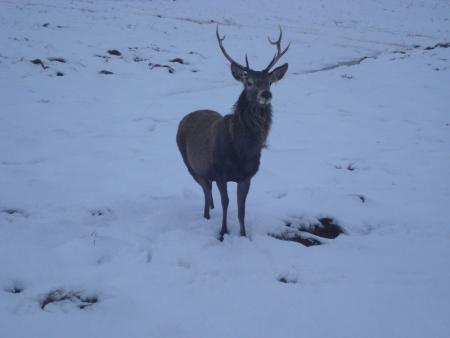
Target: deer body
x=228, y=148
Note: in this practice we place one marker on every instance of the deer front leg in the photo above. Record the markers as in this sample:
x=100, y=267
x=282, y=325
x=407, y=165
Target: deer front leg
x=242, y=191
x=222, y=185
x=206, y=186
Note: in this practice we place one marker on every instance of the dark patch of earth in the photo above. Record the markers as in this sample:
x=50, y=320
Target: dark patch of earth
x=77, y=297
x=326, y=227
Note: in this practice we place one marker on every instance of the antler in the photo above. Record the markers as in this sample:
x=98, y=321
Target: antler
x=279, y=53
x=220, y=39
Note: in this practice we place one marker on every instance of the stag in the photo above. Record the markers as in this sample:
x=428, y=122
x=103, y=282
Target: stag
x=228, y=148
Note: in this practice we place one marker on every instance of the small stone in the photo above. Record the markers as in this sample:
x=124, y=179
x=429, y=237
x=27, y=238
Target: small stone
x=114, y=52
x=177, y=60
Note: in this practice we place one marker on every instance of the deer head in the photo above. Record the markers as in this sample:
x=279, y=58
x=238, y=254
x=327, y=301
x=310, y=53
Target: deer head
x=257, y=83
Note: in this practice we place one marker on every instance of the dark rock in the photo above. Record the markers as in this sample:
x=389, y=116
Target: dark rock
x=62, y=60
x=362, y=198
x=38, y=62
x=114, y=52
x=286, y=280
x=177, y=60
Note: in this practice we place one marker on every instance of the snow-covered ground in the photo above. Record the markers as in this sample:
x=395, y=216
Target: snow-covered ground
x=98, y=211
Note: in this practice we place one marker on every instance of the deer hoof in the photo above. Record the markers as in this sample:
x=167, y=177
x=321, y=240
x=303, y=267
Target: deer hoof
x=222, y=234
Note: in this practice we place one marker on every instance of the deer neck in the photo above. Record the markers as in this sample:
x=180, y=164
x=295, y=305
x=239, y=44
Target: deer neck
x=251, y=121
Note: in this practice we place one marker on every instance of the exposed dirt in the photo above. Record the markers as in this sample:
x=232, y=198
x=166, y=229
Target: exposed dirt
x=325, y=227
x=157, y=65
x=77, y=297
x=286, y=280
x=296, y=237
x=439, y=45
x=177, y=60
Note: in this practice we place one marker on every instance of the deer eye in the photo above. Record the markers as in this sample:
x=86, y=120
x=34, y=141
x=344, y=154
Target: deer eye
x=250, y=83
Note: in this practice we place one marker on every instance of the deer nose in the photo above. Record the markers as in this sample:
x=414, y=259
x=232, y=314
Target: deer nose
x=266, y=94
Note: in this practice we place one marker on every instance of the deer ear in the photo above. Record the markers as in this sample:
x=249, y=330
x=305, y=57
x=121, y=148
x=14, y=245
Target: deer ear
x=239, y=73
x=278, y=73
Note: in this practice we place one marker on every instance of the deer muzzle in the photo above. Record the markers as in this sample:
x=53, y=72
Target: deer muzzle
x=264, y=97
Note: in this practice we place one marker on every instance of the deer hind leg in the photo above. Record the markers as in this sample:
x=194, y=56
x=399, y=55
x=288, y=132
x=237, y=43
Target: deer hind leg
x=222, y=185
x=207, y=191
x=242, y=191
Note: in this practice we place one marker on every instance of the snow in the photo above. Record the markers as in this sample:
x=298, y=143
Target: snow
x=95, y=199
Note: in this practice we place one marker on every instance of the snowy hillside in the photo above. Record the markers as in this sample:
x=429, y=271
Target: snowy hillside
x=101, y=227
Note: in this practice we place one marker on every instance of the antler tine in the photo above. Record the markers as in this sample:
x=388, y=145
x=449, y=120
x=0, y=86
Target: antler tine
x=220, y=39
x=278, y=42
x=279, y=53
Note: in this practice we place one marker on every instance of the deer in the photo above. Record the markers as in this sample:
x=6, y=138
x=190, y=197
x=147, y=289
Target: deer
x=227, y=148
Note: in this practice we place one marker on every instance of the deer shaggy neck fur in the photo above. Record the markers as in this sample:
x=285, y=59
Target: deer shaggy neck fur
x=254, y=120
